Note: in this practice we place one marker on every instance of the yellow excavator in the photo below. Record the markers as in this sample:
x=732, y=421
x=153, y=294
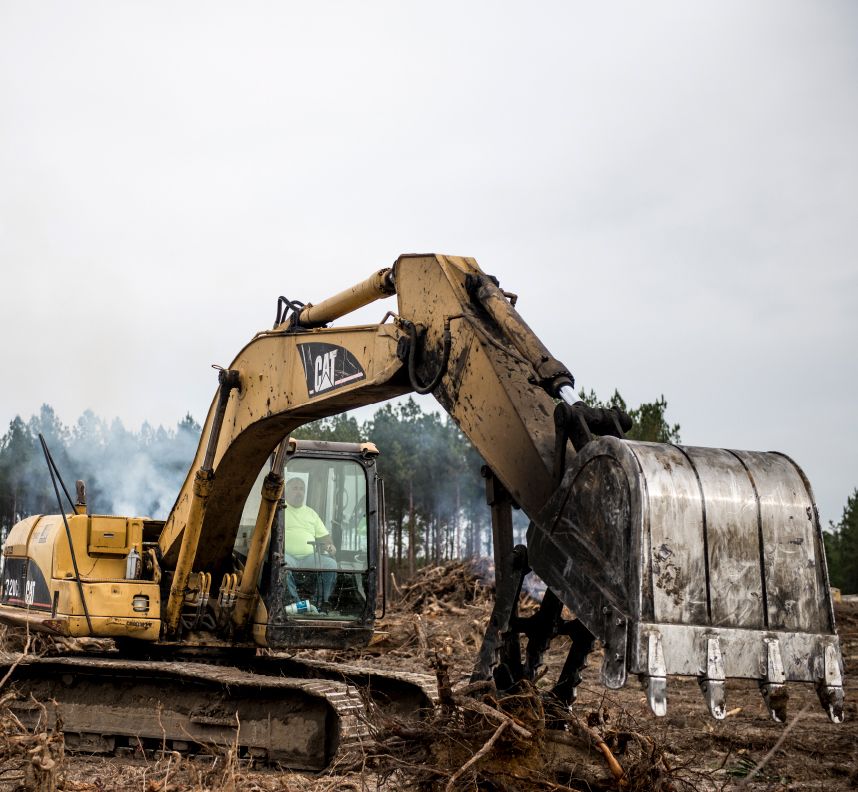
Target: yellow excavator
x=679, y=560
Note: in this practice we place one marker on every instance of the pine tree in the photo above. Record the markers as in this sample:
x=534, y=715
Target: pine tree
x=649, y=419
x=841, y=547
x=342, y=428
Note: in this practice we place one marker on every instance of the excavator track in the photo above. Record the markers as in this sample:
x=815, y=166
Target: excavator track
x=107, y=704
x=399, y=693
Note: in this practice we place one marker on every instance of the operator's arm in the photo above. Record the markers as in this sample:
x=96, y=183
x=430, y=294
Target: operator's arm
x=323, y=537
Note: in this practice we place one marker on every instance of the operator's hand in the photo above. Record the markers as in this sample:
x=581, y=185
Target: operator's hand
x=323, y=545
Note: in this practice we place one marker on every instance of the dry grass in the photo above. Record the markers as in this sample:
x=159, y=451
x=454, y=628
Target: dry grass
x=477, y=740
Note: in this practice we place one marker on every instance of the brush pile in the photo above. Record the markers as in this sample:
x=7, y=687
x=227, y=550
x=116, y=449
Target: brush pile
x=31, y=760
x=451, y=587
x=477, y=740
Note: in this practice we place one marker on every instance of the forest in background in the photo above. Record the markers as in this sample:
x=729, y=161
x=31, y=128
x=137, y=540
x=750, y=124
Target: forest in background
x=435, y=494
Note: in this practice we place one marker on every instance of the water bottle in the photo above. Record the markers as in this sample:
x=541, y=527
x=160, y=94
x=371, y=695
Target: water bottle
x=132, y=565
x=301, y=608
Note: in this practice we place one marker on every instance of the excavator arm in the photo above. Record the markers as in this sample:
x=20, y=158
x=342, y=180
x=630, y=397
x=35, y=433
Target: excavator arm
x=300, y=372
x=680, y=560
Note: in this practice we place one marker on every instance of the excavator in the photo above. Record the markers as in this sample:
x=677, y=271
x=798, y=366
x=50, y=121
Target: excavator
x=677, y=560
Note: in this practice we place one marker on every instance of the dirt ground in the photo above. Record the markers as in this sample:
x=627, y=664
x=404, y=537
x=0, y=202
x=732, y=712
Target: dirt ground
x=442, y=615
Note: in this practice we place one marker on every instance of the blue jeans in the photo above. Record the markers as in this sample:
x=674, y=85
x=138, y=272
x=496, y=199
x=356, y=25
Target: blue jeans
x=325, y=581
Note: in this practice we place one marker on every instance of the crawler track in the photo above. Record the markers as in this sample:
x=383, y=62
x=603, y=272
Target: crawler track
x=400, y=693
x=303, y=715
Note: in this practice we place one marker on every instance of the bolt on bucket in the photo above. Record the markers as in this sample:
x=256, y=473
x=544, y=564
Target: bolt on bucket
x=694, y=561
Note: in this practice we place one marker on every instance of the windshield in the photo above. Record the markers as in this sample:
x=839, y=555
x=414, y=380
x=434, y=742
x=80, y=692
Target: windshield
x=321, y=537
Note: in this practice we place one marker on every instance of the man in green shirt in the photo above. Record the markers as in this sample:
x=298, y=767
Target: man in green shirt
x=307, y=543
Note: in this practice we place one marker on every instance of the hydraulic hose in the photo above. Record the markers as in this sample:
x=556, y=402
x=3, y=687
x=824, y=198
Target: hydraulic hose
x=447, y=343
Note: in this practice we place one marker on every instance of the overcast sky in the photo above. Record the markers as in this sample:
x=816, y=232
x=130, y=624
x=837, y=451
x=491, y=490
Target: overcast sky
x=669, y=187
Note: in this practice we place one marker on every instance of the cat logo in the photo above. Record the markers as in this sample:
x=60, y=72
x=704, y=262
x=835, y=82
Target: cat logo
x=323, y=370
x=327, y=367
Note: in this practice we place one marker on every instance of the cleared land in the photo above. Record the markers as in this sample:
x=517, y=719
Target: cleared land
x=436, y=627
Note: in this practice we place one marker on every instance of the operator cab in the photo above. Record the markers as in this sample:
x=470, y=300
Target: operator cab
x=324, y=556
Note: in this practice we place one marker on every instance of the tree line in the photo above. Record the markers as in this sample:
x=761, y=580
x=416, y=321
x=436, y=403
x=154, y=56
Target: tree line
x=126, y=472
x=434, y=491
x=435, y=494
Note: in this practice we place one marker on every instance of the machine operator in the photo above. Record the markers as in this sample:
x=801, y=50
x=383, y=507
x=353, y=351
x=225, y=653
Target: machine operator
x=307, y=543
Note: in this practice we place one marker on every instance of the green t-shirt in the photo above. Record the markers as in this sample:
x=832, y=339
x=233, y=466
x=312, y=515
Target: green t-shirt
x=302, y=525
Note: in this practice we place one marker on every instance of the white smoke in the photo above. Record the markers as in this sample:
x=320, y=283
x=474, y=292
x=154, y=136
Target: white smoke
x=134, y=474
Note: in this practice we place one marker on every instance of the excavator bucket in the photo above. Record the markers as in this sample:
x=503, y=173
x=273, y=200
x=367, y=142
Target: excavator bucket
x=694, y=561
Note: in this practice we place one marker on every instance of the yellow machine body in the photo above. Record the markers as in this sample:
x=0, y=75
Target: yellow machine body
x=40, y=579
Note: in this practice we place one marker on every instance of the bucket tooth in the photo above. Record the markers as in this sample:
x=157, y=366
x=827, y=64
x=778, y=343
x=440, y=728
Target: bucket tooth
x=829, y=685
x=772, y=685
x=713, y=678
x=655, y=680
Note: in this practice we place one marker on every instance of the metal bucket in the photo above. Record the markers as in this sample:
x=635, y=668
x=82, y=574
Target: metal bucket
x=693, y=561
